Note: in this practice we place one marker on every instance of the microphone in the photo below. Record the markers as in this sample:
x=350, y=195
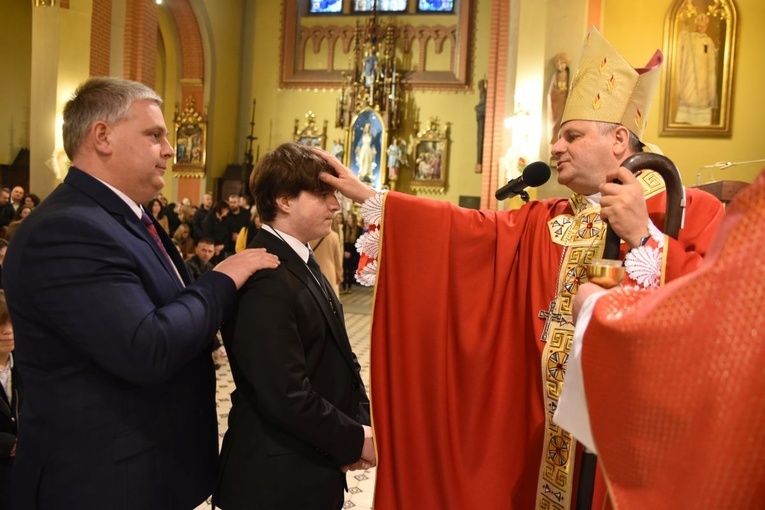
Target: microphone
x=534, y=175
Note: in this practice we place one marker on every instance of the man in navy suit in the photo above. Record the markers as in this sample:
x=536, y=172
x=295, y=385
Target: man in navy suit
x=112, y=340
x=300, y=413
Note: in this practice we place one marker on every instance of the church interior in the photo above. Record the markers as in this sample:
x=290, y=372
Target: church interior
x=471, y=82
x=460, y=94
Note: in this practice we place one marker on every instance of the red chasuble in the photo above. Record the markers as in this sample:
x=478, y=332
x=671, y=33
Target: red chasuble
x=458, y=379
x=674, y=378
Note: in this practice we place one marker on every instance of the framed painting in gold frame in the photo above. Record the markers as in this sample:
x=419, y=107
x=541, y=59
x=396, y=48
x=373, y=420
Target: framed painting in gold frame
x=190, y=142
x=367, y=140
x=699, y=43
x=430, y=159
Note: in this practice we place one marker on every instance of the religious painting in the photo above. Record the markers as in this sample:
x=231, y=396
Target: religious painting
x=367, y=143
x=310, y=135
x=190, y=142
x=700, y=39
x=430, y=159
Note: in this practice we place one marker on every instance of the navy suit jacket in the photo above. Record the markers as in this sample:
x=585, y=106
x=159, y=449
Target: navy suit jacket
x=119, y=408
x=300, y=402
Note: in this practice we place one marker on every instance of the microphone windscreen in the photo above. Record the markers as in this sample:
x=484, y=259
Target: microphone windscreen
x=536, y=174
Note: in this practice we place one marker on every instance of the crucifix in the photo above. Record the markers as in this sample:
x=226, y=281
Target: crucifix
x=550, y=316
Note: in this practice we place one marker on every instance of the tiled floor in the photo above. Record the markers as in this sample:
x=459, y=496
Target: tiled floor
x=358, y=309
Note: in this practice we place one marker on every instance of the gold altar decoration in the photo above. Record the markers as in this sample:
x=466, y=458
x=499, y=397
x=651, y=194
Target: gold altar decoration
x=370, y=105
x=430, y=159
x=310, y=135
x=190, y=141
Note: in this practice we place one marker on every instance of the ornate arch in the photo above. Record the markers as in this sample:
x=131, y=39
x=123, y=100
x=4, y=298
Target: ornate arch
x=192, y=51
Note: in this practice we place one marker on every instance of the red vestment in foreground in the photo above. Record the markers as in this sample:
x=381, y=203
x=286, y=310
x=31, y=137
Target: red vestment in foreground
x=674, y=378
x=457, y=369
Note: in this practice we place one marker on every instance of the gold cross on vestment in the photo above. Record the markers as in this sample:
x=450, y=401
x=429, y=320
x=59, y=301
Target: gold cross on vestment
x=550, y=316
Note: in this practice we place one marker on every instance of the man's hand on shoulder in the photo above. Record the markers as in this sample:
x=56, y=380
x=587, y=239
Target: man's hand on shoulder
x=244, y=264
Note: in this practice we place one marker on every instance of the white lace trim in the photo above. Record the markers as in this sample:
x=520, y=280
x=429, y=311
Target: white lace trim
x=369, y=242
x=371, y=209
x=643, y=264
x=368, y=274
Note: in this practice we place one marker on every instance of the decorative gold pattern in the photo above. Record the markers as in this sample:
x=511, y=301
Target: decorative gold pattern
x=190, y=141
x=583, y=237
x=430, y=159
x=606, y=88
x=315, y=48
x=310, y=135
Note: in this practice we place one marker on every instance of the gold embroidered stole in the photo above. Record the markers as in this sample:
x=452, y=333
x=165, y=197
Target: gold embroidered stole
x=582, y=236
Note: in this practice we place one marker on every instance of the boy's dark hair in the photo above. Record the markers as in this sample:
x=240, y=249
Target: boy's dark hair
x=285, y=172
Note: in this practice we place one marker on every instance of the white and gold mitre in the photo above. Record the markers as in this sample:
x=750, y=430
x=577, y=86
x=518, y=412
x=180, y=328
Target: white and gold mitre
x=606, y=88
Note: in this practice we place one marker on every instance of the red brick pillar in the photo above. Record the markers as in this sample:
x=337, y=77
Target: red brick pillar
x=192, y=53
x=192, y=78
x=100, y=37
x=141, y=27
x=495, y=101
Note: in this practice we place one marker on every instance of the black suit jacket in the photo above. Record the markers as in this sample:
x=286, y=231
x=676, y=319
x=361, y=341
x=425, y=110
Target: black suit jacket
x=114, y=352
x=299, y=403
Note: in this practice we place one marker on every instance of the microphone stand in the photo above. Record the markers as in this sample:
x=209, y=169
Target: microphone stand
x=722, y=165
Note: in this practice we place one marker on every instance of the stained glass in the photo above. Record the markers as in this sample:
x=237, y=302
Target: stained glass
x=435, y=6
x=382, y=5
x=322, y=6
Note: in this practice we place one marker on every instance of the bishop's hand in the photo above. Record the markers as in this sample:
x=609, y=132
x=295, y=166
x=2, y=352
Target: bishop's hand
x=346, y=182
x=623, y=206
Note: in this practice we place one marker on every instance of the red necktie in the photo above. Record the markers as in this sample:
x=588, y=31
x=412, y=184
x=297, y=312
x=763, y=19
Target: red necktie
x=155, y=235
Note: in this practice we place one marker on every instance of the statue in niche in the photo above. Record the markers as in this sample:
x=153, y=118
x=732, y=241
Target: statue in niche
x=370, y=68
x=396, y=157
x=365, y=155
x=480, y=117
x=558, y=92
x=338, y=150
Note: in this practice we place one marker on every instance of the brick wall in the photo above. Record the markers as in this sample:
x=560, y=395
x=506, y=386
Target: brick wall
x=495, y=101
x=100, y=37
x=192, y=52
x=141, y=26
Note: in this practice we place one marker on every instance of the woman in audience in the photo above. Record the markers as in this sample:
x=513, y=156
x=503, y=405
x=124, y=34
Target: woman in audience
x=185, y=215
x=247, y=234
x=158, y=211
x=182, y=237
x=21, y=213
x=31, y=200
